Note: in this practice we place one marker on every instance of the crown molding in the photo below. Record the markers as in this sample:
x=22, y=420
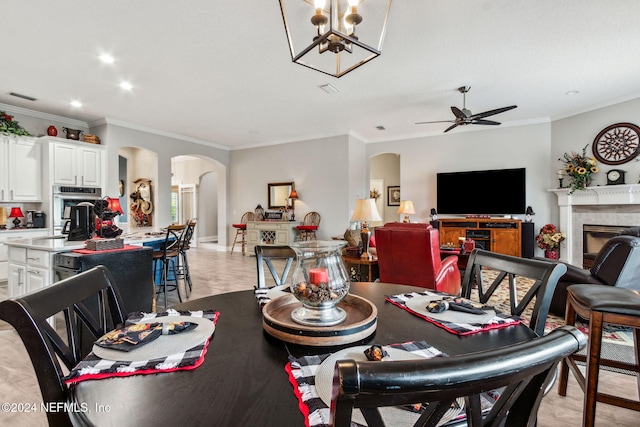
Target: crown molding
x=45, y=116
x=120, y=123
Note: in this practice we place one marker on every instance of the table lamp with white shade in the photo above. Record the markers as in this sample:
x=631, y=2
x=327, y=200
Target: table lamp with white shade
x=406, y=208
x=365, y=211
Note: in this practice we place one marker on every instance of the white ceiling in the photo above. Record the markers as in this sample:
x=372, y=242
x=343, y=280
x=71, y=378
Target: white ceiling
x=221, y=72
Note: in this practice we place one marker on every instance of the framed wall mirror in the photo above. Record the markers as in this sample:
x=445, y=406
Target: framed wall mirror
x=278, y=194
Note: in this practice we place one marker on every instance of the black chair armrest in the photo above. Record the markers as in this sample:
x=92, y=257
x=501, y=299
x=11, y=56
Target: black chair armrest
x=579, y=275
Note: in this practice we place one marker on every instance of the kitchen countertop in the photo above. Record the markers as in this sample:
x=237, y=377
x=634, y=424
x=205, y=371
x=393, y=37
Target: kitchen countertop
x=10, y=231
x=61, y=244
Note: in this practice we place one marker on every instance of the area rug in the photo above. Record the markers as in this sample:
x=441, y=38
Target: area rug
x=617, y=342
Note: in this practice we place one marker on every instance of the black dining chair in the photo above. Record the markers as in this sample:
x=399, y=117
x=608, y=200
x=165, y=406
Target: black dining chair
x=522, y=369
x=91, y=306
x=266, y=254
x=544, y=276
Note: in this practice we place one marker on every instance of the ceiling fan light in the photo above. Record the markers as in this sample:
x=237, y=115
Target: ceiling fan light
x=312, y=45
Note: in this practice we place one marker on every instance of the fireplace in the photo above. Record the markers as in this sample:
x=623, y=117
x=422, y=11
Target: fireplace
x=612, y=205
x=594, y=238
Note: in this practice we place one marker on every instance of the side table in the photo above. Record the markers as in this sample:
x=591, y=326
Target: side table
x=362, y=269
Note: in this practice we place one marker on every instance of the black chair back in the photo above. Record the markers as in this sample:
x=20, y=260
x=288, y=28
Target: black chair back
x=91, y=306
x=265, y=254
x=618, y=262
x=545, y=276
x=187, y=235
x=522, y=369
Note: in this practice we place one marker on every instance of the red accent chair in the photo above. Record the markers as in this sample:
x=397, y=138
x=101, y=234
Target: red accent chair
x=409, y=254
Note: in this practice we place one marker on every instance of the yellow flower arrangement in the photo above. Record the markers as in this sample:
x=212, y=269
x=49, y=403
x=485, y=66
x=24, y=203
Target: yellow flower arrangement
x=579, y=168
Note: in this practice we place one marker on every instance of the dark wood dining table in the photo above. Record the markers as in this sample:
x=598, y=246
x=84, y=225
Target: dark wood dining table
x=242, y=381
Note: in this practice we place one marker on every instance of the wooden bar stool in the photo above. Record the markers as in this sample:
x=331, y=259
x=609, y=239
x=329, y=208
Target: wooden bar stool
x=309, y=226
x=241, y=230
x=600, y=304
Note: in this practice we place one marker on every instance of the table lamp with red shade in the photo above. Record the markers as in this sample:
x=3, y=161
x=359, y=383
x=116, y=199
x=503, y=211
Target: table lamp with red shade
x=16, y=214
x=293, y=196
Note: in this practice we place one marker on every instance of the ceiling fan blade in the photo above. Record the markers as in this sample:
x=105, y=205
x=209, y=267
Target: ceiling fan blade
x=484, y=122
x=450, y=127
x=458, y=113
x=493, y=112
x=439, y=121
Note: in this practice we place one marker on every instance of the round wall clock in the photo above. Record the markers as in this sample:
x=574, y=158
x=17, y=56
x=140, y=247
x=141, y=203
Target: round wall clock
x=617, y=144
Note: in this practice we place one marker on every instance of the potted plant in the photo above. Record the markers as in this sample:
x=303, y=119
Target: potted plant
x=549, y=240
x=10, y=126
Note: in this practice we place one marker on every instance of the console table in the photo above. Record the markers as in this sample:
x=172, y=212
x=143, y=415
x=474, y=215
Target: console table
x=270, y=233
x=493, y=234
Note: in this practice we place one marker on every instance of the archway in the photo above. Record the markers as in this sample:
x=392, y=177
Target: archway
x=198, y=192
x=384, y=176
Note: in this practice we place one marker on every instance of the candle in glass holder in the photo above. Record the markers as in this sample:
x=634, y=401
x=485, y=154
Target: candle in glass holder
x=318, y=275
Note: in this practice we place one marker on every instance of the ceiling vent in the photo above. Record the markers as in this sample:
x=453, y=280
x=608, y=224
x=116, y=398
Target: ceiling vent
x=19, y=95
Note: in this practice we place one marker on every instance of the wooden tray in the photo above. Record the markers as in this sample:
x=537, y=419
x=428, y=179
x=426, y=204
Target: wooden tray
x=361, y=322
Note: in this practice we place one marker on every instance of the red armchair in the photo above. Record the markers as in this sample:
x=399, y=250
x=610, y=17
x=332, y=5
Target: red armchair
x=409, y=254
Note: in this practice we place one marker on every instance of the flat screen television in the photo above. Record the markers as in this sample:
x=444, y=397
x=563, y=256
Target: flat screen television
x=487, y=192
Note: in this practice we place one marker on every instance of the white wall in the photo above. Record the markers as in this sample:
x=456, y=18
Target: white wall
x=207, y=228
x=492, y=148
x=573, y=133
x=117, y=137
x=321, y=172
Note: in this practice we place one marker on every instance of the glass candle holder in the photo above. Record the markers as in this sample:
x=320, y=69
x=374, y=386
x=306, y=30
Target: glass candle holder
x=319, y=281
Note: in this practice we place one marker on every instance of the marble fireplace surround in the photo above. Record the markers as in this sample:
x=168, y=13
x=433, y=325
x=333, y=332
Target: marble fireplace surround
x=606, y=205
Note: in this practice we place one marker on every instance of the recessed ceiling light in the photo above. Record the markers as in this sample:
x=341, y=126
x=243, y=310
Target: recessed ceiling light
x=76, y=104
x=572, y=92
x=106, y=58
x=126, y=85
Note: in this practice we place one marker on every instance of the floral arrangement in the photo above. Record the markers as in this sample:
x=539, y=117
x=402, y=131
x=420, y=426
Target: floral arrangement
x=579, y=168
x=8, y=125
x=549, y=237
x=374, y=194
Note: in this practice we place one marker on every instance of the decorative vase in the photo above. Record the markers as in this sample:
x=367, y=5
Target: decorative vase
x=319, y=281
x=551, y=253
x=52, y=131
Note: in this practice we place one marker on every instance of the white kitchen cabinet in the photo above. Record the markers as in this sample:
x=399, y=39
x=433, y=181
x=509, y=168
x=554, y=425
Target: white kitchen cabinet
x=18, y=280
x=20, y=169
x=4, y=168
x=80, y=165
x=29, y=270
x=15, y=235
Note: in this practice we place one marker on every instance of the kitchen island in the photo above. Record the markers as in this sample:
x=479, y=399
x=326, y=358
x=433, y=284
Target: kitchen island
x=35, y=263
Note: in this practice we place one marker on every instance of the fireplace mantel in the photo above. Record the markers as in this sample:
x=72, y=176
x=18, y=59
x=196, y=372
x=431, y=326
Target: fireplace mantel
x=611, y=195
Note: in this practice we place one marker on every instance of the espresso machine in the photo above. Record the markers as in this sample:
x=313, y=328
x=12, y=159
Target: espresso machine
x=82, y=223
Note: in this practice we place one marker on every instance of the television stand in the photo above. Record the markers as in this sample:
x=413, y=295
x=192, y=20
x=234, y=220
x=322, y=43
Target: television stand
x=493, y=234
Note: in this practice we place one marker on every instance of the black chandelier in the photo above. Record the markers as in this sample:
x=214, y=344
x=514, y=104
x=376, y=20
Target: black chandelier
x=353, y=30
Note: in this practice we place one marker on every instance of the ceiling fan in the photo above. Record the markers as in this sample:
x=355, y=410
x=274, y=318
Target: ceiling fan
x=465, y=117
